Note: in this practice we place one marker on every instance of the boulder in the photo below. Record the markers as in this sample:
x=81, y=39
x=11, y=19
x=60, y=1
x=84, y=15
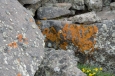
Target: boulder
x=51, y=12
x=95, y=5
x=28, y=1
x=21, y=42
x=59, y=63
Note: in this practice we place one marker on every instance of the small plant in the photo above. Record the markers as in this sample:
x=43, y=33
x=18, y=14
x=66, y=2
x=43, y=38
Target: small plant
x=93, y=71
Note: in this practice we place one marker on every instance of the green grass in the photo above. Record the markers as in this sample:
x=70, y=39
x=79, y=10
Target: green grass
x=93, y=71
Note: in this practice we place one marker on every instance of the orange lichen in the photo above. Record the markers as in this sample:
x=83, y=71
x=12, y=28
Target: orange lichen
x=13, y=45
x=20, y=37
x=81, y=36
x=51, y=34
x=63, y=45
x=25, y=40
x=19, y=74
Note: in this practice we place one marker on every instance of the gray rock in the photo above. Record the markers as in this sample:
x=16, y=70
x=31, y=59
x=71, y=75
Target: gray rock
x=112, y=6
x=106, y=14
x=61, y=5
x=55, y=23
x=21, y=49
x=105, y=44
x=76, y=4
x=51, y=12
x=106, y=2
x=28, y=1
x=85, y=18
x=33, y=7
x=95, y=5
x=59, y=63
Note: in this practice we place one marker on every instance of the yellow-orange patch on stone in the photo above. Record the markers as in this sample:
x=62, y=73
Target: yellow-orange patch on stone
x=13, y=45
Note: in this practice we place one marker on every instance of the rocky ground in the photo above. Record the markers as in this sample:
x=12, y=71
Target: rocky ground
x=49, y=37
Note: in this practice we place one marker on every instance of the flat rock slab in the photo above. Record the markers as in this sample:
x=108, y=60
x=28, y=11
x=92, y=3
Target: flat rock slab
x=51, y=12
x=86, y=18
x=76, y=4
x=29, y=1
x=59, y=63
x=106, y=14
x=21, y=42
x=61, y=5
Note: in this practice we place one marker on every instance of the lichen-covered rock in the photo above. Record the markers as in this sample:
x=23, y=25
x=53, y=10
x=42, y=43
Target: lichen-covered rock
x=28, y=1
x=112, y=6
x=59, y=63
x=95, y=5
x=86, y=18
x=21, y=42
x=51, y=12
x=105, y=45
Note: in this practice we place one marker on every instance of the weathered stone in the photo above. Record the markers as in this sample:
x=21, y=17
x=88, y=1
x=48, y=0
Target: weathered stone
x=21, y=49
x=106, y=2
x=106, y=14
x=85, y=18
x=49, y=23
x=112, y=6
x=28, y=1
x=95, y=5
x=51, y=12
x=61, y=5
x=59, y=63
x=105, y=45
x=76, y=4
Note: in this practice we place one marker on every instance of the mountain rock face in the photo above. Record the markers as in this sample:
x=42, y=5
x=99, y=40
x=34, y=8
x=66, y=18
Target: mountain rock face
x=21, y=42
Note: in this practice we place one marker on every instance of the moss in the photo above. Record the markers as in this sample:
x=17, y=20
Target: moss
x=81, y=36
